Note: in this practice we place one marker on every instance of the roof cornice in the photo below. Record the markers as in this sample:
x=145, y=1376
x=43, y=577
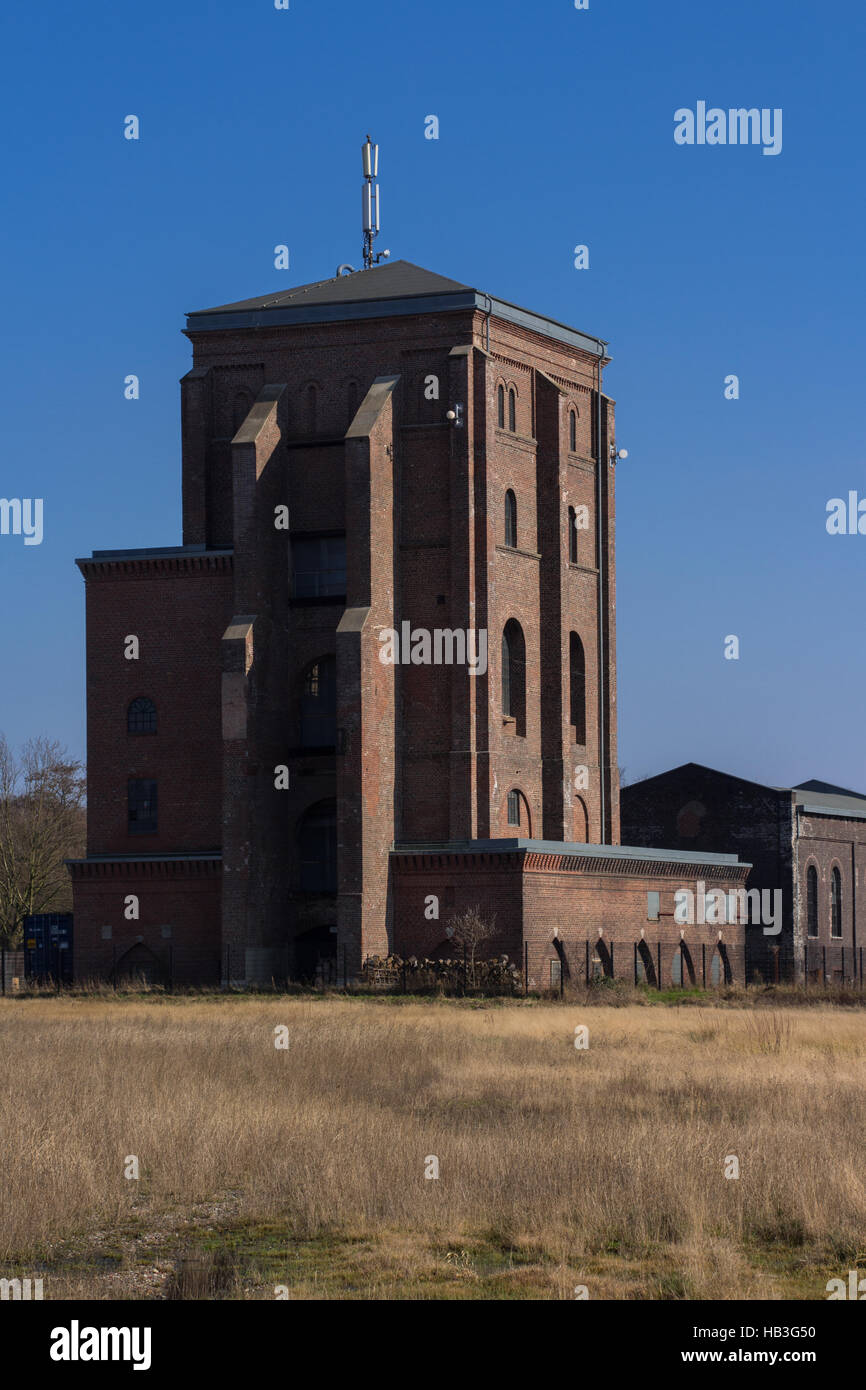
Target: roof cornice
x=282, y=316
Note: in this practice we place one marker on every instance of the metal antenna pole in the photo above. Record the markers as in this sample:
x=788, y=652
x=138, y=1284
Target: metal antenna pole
x=370, y=203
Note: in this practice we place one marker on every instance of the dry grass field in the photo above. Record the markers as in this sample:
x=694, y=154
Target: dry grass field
x=305, y=1166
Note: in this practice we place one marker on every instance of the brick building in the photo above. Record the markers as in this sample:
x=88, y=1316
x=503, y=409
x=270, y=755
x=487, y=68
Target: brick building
x=807, y=842
x=377, y=682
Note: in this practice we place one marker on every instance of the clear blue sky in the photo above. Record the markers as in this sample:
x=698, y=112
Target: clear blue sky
x=556, y=129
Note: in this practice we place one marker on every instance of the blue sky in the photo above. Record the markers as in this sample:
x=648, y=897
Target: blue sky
x=556, y=128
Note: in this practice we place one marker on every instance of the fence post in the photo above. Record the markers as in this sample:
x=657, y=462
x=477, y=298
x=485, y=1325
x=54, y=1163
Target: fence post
x=704, y=963
x=612, y=970
x=824, y=962
x=586, y=971
x=635, y=963
x=658, y=965
x=525, y=969
x=3, y=967
x=843, y=965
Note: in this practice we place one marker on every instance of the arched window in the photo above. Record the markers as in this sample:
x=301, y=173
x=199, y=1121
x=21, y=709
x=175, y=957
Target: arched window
x=510, y=519
x=572, y=536
x=577, y=687
x=514, y=675
x=836, y=903
x=500, y=407
x=141, y=716
x=572, y=431
x=514, y=808
x=812, y=900
x=677, y=967
x=720, y=967
x=317, y=848
x=319, y=704
x=645, y=970
x=602, y=964
x=512, y=410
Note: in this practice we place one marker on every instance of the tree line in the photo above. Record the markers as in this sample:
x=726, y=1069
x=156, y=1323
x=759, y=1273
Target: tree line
x=42, y=822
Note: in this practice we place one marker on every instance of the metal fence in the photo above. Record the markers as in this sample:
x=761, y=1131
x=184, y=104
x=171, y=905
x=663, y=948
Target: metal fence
x=11, y=971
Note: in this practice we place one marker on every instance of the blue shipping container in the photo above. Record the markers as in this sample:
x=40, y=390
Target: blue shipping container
x=48, y=946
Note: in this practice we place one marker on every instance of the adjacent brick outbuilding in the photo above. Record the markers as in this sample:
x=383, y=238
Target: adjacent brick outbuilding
x=806, y=842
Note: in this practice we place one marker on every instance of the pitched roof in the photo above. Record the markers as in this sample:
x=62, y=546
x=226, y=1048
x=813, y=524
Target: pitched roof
x=384, y=291
x=820, y=798
x=394, y=280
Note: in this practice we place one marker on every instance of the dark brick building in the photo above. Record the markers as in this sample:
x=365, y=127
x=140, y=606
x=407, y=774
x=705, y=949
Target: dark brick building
x=377, y=682
x=807, y=842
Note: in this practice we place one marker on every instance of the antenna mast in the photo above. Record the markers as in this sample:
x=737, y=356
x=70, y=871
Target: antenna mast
x=370, y=154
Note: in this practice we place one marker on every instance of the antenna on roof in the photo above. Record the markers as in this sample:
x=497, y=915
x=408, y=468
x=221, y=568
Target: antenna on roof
x=370, y=205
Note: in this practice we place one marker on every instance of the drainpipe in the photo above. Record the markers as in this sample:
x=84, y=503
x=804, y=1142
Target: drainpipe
x=488, y=311
x=602, y=729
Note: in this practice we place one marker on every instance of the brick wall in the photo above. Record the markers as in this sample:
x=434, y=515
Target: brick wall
x=177, y=607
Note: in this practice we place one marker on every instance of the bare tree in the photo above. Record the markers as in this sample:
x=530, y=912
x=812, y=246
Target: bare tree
x=469, y=930
x=41, y=823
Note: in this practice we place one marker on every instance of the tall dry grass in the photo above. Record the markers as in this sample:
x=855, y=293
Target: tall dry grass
x=616, y=1152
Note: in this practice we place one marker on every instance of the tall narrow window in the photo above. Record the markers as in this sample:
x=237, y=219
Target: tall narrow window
x=512, y=410
x=577, y=683
x=319, y=704
x=317, y=848
x=510, y=519
x=572, y=431
x=812, y=900
x=141, y=807
x=141, y=716
x=572, y=535
x=514, y=675
x=836, y=903
x=500, y=407
x=514, y=808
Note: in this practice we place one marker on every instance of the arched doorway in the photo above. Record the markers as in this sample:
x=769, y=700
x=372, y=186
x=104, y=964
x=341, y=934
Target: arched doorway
x=139, y=965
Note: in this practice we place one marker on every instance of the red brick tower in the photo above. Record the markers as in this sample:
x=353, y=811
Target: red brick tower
x=387, y=447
